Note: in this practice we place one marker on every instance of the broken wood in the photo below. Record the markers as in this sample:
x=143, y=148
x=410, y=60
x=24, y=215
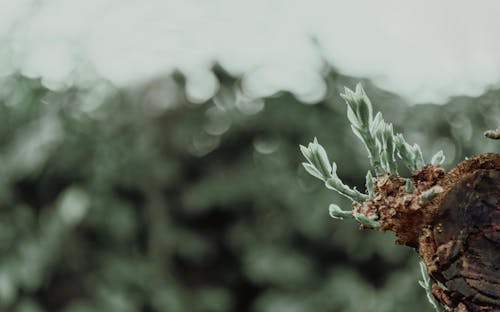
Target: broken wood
x=456, y=231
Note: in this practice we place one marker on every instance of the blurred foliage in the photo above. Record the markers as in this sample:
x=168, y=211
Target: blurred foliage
x=134, y=206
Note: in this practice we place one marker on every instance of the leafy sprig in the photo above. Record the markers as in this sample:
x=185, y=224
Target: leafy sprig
x=319, y=166
x=410, y=155
x=382, y=145
x=378, y=136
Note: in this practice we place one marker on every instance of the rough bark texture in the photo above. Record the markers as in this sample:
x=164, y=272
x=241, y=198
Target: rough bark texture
x=457, y=233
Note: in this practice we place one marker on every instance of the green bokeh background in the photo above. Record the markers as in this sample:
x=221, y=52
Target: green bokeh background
x=202, y=208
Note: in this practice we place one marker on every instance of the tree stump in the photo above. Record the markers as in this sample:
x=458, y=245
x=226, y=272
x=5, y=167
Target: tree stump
x=457, y=232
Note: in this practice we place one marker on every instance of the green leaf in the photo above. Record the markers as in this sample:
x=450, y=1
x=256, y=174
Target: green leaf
x=334, y=169
x=377, y=121
x=306, y=152
x=390, y=148
x=431, y=193
x=419, y=159
x=368, y=221
x=337, y=213
x=364, y=107
x=369, y=184
x=334, y=183
x=320, y=159
x=407, y=152
x=409, y=188
x=353, y=118
x=313, y=171
x=426, y=283
x=438, y=158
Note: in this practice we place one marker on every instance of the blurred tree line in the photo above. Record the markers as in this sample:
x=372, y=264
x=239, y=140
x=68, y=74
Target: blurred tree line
x=113, y=202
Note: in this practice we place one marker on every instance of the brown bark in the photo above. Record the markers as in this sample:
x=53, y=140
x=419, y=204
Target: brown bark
x=457, y=233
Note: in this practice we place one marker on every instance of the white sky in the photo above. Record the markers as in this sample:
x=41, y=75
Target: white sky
x=423, y=50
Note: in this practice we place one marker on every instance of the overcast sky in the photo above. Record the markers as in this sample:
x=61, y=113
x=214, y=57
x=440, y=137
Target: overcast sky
x=426, y=51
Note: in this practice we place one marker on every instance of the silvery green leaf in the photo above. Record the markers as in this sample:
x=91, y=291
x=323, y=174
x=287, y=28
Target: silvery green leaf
x=378, y=148
x=306, y=152
x=389, y=136
x=384, y=161
x=363, y=114
x=431, y=193
x=398, y=139
x=353, y=118
x=409, y=188
x=357, y=111
x=419, y=158
x=401, y=143
x=334, y=183
x=364, y=109
x=359, y=89
x=405, y=152
x=312, y=171
x=337, y=213
x=426, y=284
x=357, y=94
x=348, y=96
x=377, y=121
x=320, y=159
x=423, y=270
x=390, y=148
x=377, y=127
x=368, y=221
x=438, y=158
x=334, y=169
x=369, y=184
x=379, y=134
